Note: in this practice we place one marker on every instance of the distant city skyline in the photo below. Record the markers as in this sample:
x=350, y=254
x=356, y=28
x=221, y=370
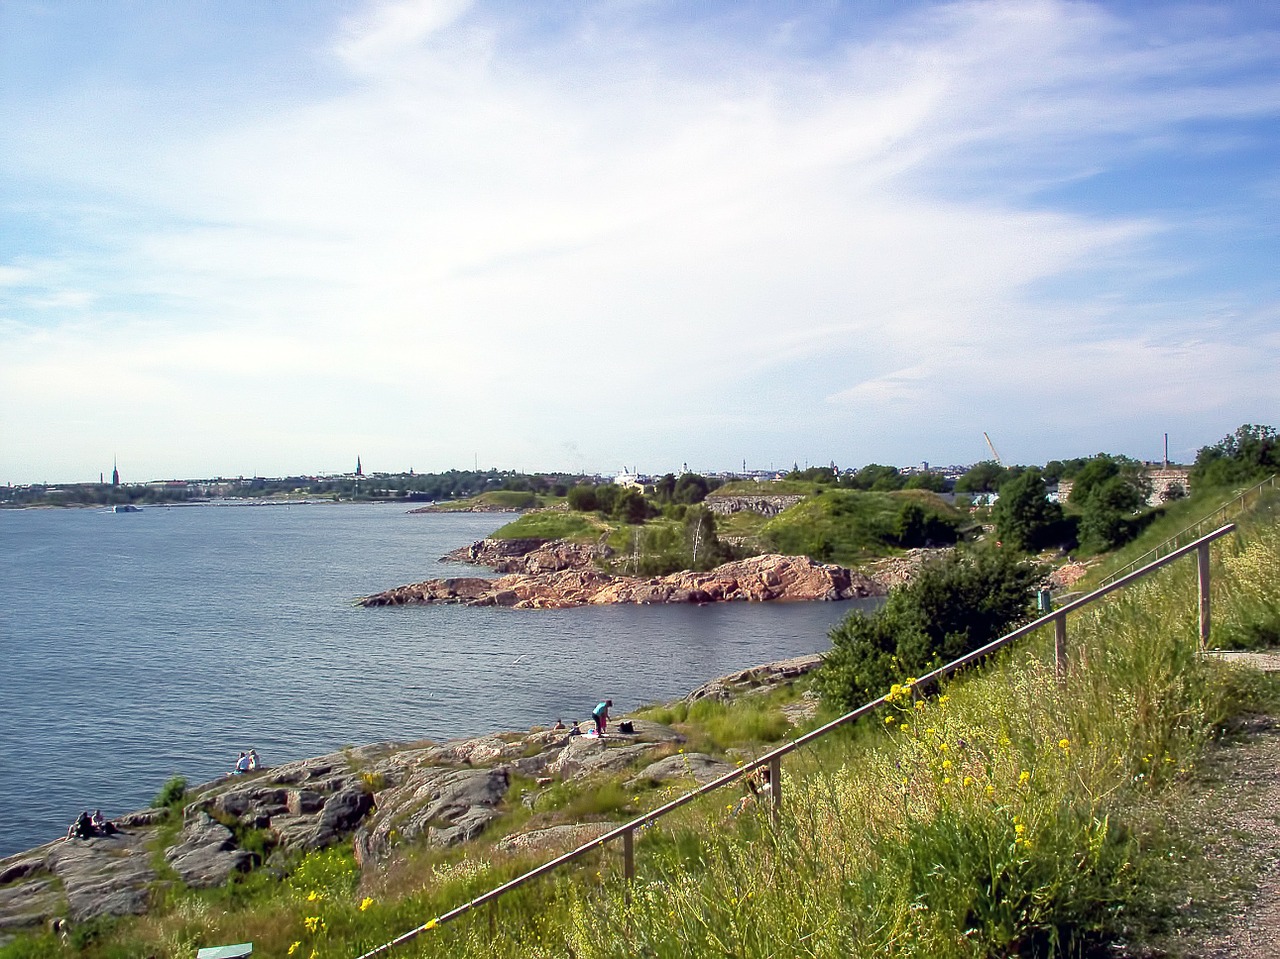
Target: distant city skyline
x=738, y=469
x=256, y=239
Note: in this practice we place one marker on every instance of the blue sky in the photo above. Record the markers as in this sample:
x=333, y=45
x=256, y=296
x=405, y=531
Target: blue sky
x=248, y=238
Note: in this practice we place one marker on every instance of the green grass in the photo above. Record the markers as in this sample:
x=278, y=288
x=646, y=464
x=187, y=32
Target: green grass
x=847, y=526
x=500, y=498
x=553, y=524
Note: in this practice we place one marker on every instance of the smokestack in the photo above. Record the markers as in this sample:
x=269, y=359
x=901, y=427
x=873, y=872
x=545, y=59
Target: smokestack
x=1166, y=450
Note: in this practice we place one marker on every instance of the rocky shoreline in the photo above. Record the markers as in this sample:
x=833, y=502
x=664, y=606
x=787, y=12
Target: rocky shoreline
x=376, y=797
x=560, y=575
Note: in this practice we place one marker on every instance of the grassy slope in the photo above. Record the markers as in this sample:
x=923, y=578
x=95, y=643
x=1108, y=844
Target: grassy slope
x=846, y=526
x=1176, y=517
x=554, y=524
x=500, y=498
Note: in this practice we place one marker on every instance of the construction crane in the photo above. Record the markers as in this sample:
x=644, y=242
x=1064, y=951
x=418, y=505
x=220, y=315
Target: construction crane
x=993, y=449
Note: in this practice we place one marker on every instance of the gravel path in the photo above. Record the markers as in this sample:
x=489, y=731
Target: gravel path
x=1243, y=795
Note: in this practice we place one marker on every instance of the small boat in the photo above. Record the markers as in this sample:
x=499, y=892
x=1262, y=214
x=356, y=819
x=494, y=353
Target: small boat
x=126, y=508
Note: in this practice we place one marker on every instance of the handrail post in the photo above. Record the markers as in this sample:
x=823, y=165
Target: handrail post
x=1202, y=571
x=1060, y=663
x=629, y=855
x=775, y=784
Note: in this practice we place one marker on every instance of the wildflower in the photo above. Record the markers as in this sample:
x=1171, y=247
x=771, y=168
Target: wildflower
x=946, y=780
x=365, y=903
x=889, y=720
x=919, y=705
x=1064, y=744
x=1024, y=777
x=432, y=924
x=991, y=790
x=943, y=700
x=968, y=781
x=313, y=923
x=294, y=948
x=942, y=747
x=946, y=764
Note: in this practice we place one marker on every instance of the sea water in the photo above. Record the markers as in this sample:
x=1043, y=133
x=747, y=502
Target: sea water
x=139, y=646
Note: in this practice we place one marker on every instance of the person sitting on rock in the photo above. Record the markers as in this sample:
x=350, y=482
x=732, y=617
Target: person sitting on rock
x=82, y=828
x=254, y=761
x=101, y=825
x=575, y=729
x=242, y=764
x=559, y=725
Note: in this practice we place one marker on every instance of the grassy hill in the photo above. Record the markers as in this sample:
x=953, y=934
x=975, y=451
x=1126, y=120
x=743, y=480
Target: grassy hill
x=847, y=526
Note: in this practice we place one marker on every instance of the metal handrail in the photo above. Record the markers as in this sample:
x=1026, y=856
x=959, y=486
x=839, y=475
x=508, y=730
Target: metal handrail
x=1219, y=513
x=773, y=758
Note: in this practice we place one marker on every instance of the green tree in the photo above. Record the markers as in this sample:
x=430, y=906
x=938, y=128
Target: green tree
x=934, y=482
x=984, y=477
x=691, y=488
x=1023, y=515
x=583, y=498
x=953, y=606
x=874, y=476
x=1108, y=491
x=915, y=526
x=632, y=507
x=1249, y=454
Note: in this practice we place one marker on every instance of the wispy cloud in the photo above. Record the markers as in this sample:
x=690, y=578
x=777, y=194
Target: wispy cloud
x=550, y=228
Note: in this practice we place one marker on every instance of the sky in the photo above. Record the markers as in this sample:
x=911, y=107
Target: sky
x=246, y=238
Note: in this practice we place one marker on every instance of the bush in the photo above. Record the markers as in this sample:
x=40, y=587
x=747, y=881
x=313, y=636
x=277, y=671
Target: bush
x=953, y=606
x=171, y=793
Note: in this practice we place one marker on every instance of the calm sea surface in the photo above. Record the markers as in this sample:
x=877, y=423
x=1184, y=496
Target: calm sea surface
x=138, y=646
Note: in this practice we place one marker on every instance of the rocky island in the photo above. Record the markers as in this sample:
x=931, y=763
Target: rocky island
x=560, y=574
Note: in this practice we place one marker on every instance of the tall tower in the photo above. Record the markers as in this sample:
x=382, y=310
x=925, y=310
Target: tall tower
x=359, y=469
x=115, y=473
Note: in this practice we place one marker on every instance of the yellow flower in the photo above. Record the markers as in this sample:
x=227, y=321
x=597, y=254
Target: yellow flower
x=294, y=948
x=1020, y=828
x=991, y=790
x=968, y=780
x=1024, y=777
x=889, y=719
x=943, y=700
x=313, y=923
x=365, y=903
x=432, y=924
x=946, y=764
x=1064, y=744
x=919, y=705
x=312, y=896
x=946, y=780
x=942, y=747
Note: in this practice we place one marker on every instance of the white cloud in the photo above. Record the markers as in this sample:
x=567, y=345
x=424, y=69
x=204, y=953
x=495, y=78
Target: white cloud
x=574, y=220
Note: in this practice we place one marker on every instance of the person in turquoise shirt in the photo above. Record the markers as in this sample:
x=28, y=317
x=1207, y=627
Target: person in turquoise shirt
x=601, y=715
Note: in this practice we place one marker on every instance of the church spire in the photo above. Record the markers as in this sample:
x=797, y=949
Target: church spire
x=359, y=469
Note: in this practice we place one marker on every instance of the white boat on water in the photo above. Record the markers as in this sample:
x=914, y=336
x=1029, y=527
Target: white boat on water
x=126, y=508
